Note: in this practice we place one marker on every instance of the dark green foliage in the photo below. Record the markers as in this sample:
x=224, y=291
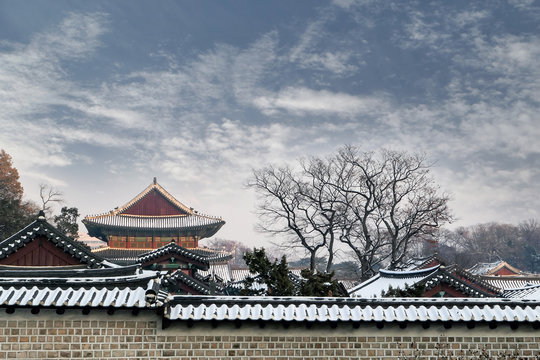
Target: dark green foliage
x=273, y=274
x=320, y=284
x=66, y=222
x=416, y=290
x=277, y=279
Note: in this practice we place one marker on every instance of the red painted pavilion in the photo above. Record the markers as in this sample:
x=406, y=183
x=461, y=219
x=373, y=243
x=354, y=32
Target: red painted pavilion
x=152, y=219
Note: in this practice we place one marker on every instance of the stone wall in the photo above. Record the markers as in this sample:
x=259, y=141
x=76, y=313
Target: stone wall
x=123, y=335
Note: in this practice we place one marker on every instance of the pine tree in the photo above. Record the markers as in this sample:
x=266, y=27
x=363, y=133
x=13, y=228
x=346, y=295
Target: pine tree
x=320, y=284
x=274, y=276
x=66, y=222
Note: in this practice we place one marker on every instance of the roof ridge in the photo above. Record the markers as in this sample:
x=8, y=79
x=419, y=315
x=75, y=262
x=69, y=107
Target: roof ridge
x=43, y=227
x=153, y=186
x=168, y=196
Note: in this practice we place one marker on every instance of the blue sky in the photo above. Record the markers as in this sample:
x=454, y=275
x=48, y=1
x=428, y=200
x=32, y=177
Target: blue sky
x=97, y=98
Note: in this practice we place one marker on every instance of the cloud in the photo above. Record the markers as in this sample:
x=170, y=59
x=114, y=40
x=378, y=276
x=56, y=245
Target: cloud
x=307, y=52
x=321, y=102
x=206, y=118
x=33, y=85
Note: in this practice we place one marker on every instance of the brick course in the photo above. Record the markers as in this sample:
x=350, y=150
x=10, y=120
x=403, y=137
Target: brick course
x=124, y=336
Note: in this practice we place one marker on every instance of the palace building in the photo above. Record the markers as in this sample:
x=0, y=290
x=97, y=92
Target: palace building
x=152, y=219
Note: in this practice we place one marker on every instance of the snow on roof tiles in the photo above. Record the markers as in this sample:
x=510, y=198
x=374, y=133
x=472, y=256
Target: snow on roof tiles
x=347, y=309
x=381, y=282
x=531, y=292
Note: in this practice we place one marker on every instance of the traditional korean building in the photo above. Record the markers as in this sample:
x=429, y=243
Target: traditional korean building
x=59, y=300
x=41, y=256
x=431, y=273
x=497, y=268
x=151, y=220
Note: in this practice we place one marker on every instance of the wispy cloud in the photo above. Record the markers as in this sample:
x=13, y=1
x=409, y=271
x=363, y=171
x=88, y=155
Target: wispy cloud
x=354, y=73
x=322, y=102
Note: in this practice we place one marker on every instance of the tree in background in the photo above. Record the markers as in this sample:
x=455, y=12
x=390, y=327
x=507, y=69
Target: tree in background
x=15, y=213
x=519, y=245
x=320, y=284
x=49, y=195
x=66, y=222
x=274, y=275
x=286, y=210
x=276, y=279
x=416, y=290
x=235, y=248
x=377, y=204
x=390, y=200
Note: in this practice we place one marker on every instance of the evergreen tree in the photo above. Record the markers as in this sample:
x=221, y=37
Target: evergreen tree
x=66, y=222
x=273, y=275
x=276, y=279
x=415, y=290
x=320, y=284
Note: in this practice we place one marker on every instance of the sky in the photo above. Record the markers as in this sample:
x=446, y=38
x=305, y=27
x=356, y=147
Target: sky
x=99, y=97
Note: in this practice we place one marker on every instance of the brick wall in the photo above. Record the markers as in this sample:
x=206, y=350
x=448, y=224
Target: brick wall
x=125, y=336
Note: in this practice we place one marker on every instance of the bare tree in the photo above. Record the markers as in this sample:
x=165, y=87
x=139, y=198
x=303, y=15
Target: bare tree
x=49, y=195
x=355, y=179
x=408, y=201
x=287, y=207
x=376, y=204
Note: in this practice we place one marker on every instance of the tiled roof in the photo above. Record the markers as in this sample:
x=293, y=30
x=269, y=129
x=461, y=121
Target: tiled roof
x=452, y=275
x=487, y=269
x=191, y=220
x=187, y=222
x=531, y=292
x=483, y=268
x=350, y=310
x=511, y=282
x=73, y=297
x=474, y=287
x=41, y=227
x=132, y=256
x=154, y=186
x=424, y=262
x=349, y=284
x=194, y=254
x=381, y=282
x=234, y=286
x=130, y=276
x=122, y=256
x=180, y=277
x=242, y=274
x=113, y=287
x=220, y=270
x=213, y=256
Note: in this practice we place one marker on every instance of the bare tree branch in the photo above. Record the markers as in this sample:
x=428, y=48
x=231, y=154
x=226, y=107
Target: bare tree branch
x=49, y=195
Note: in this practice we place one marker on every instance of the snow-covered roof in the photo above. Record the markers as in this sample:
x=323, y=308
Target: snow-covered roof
x=73, y=297
x=40, y=227
x=531, y=292
x=382, y=282
x=492, y=268
x=511, y=282
x=173, y=249
x=350, y=310
x=76, y=287
x=183, y=217
x=222, y=271
x=179, y=277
